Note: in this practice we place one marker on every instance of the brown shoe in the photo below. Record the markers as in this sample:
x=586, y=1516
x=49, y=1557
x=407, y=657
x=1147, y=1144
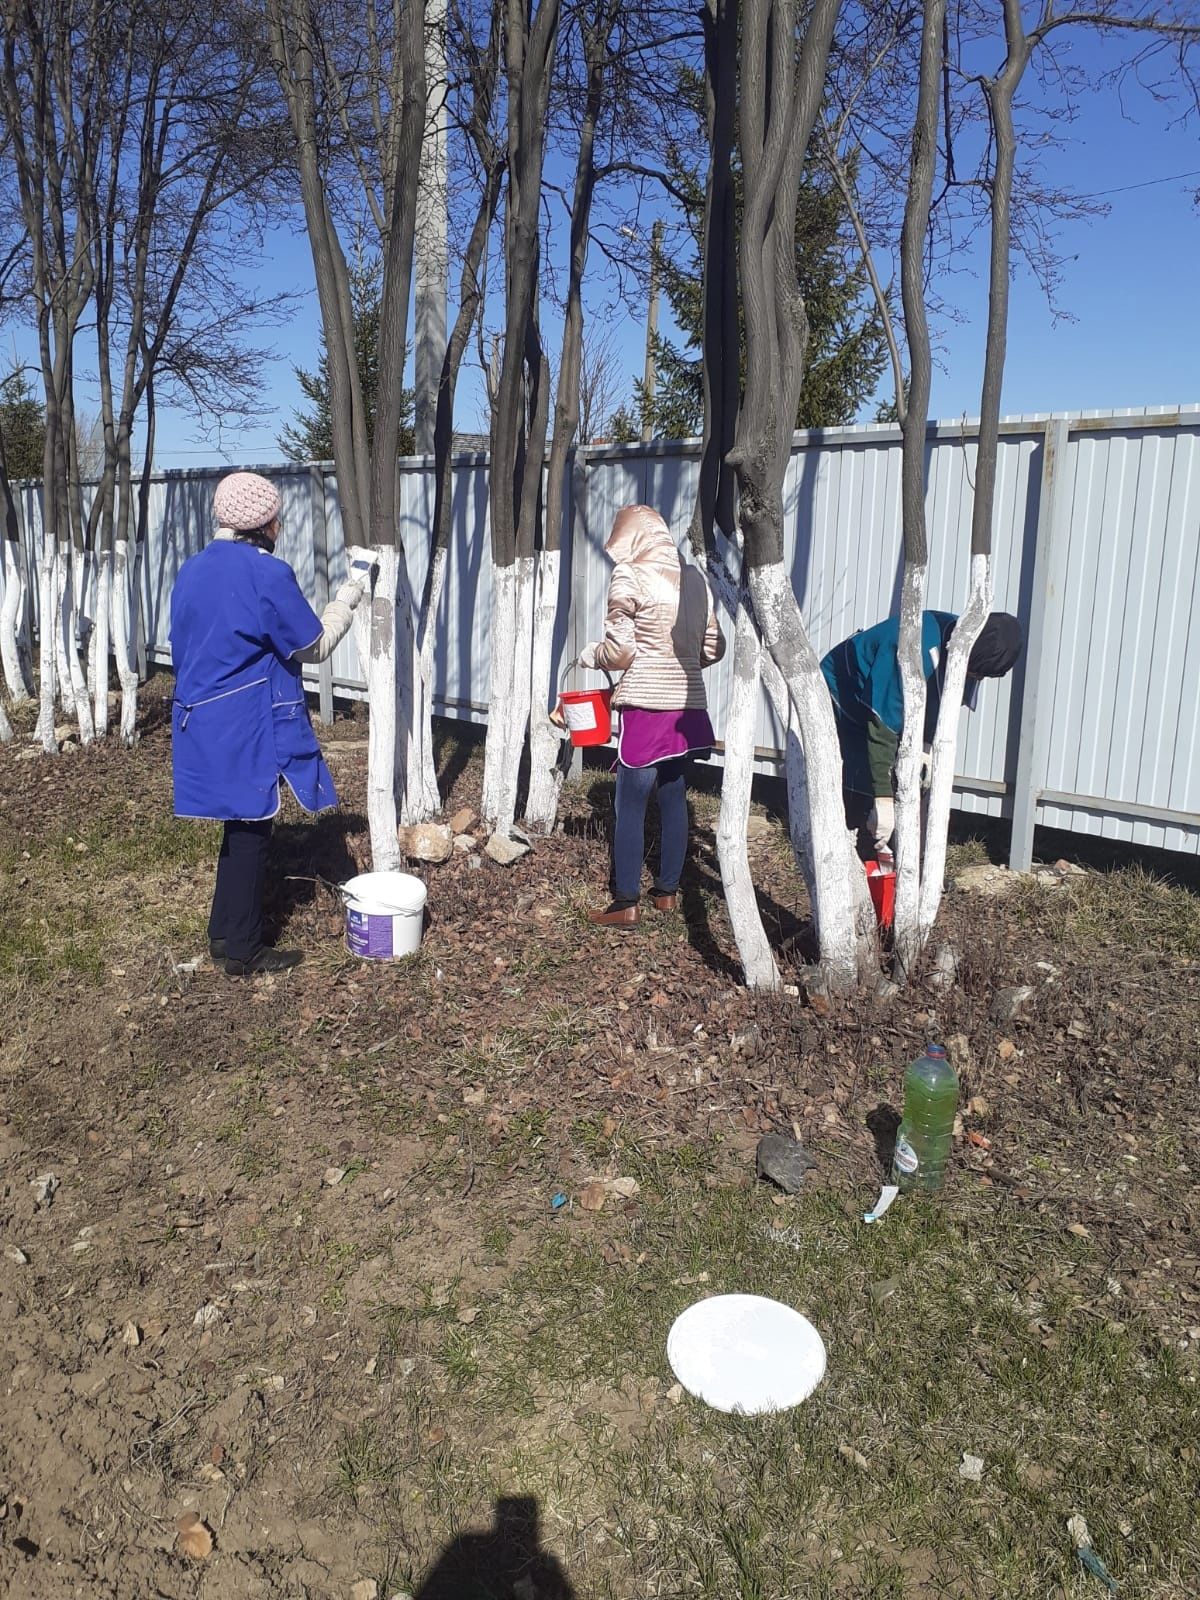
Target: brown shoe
x=665, y=902
x=615, y=916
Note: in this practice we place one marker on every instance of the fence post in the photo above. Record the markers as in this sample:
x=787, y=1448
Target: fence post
x=1045, y=605
x=316, y=483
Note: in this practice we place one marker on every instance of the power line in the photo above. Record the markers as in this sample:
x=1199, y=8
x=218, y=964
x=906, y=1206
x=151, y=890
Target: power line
x=1148, y=183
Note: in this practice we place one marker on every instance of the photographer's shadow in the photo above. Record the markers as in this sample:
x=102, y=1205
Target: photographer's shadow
x=504, y=1562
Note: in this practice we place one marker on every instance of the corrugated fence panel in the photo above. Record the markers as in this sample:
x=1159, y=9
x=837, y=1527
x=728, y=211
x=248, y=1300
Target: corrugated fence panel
x=1118, y=663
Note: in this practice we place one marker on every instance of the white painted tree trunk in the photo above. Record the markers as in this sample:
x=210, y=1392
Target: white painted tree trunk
x=375, y=635
x=835, y=866
x=79, y=690
x=12, y=619
x=421, y=797
x=99, y=642
x=6, y=731
x=58, y=626
x=508, y=710
x=124, y=647
x=945, y=740
x=47, y=644
x=908, y=938
x=545, y=737
x=754, y=949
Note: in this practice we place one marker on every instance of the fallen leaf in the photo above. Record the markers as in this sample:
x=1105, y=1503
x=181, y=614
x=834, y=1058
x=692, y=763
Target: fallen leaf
x=333, y=1176
x=308, y=1316
x=971, y=1468
x=474, y=1097
x=209, y=1473
x=607, y=1128
x=43, y=1186
x=194, y=1538
x=978, y=1139
x=468, y=1313
x=625, y=1187
x=16, y=1256
x=207, y=1316
x=592, y=1198
x=1006, y=1049
x=131, y=1336
x=1078, y=1229
x=675, y=1393
x=369, y=1369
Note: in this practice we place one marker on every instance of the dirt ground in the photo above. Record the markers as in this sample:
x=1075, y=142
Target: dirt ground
x=290, y=1257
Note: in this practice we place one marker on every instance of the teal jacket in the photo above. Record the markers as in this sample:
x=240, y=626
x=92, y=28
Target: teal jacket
x=863, y=675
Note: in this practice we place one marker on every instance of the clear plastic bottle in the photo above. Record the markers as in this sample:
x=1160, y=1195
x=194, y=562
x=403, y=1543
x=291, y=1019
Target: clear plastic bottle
x=927, y=1127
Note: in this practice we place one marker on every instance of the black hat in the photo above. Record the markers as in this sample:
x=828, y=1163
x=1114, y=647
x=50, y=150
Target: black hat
x=998, y=647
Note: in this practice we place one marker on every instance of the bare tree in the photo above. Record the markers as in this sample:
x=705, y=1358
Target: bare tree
x=521, y=407
x=354, y=84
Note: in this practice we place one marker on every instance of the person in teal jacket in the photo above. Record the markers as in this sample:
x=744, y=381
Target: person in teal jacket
x=863, y=674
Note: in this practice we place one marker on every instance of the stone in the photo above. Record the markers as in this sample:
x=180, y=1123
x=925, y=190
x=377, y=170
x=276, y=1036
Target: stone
x=983, y=878
x=427, y=841
x=464, y=843
x=474, y=862
x=945, y=967
x=31, y=754
x=747, y=1042
x=63, y=730
x=759, y=828
x=782, y=1161
x=462, y=819
x=69, y=747
x=1009, y=1005
x=504, y=850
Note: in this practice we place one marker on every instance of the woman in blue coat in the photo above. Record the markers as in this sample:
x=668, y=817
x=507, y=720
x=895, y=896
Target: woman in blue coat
x=240, y=631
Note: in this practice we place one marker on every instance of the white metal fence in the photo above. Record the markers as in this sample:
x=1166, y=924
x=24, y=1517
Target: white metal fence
x=1097, y=538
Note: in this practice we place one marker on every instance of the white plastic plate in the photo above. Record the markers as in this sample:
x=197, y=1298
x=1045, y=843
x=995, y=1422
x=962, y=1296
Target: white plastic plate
x=742, y=1352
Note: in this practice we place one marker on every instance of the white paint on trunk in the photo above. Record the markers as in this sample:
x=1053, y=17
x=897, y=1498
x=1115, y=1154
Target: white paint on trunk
x=908, y=768
x=12, y=619
x=47, y=645
x=844, y=950
x=754, y=949
x=945, y=740
x=421, y=797
x=124, y=647
x=82, y=705
x=375, y=636
x=58, y=625
x=99, y=643
x=545, y=738
x=6, y=732
x=508, y=713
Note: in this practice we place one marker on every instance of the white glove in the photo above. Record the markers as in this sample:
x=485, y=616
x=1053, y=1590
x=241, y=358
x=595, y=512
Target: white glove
x=587, y=656
x=350, y=593
x=881, y=824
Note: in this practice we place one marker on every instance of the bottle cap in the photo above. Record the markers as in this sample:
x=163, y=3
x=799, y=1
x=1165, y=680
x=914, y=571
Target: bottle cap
x=935, y=1050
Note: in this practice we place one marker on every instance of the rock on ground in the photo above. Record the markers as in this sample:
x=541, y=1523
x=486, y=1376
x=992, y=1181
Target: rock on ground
x=427, y=841
x=505, y=850
x=783, y=1161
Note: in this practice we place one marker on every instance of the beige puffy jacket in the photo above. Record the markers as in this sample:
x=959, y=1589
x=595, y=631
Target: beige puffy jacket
x=661, y=630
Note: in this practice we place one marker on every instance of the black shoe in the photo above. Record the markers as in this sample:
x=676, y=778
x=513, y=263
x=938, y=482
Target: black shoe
x=266, y=960
x=216, y=949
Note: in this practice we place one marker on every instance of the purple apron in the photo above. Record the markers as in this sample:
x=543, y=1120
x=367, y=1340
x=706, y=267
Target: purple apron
x=648, y=737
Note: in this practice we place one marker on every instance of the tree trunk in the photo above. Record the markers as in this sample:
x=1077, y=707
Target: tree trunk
x=754, y=949
x=13, y=614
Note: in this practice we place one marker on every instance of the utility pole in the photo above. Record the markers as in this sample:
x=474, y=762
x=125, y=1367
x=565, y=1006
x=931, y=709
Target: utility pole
x=431, y=290
x=650, y=379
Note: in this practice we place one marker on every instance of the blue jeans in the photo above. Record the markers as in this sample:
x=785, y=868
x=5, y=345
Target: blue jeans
x=634, y=786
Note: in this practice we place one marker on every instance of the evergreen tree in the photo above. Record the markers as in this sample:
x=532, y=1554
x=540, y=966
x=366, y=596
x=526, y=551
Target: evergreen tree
x=846, y=351
x=22, y=426
x=310, y=437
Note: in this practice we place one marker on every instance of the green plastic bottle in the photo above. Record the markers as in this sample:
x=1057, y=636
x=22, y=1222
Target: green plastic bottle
x=927, y=1127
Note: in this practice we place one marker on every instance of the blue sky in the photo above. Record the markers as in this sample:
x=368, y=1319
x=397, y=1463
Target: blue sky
x=1132, y=336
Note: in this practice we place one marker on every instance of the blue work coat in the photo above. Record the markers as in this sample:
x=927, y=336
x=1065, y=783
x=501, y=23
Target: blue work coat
x=239, y=721
x=863, y=674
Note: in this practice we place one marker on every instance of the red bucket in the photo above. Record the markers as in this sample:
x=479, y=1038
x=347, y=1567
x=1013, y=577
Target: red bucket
x=587, y=713
x=881, y=881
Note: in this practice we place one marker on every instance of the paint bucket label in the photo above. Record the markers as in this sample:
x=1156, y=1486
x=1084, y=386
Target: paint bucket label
x=369, y=936
x=580, y=715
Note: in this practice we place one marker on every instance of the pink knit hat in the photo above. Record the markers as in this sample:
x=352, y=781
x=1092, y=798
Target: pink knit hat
x=245, y=501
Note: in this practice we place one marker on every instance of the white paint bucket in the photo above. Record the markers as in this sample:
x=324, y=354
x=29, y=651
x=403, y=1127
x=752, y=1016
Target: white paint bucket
x=385, y=912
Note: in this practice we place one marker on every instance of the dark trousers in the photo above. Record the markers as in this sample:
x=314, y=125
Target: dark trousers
x=237, y=913
x=634, y=787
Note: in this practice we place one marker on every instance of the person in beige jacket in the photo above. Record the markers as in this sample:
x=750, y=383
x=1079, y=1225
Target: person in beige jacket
x=660, y=633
